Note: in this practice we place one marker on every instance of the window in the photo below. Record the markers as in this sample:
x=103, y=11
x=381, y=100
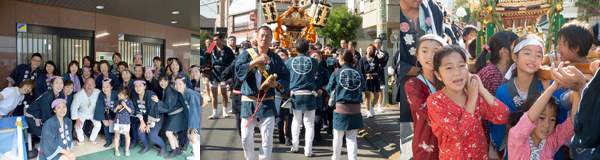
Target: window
x=60, y=50
x=240, y=22
x=31, y=43
x=145, y=46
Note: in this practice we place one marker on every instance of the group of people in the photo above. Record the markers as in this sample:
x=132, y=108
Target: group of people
x=300, y=93
x=128, y=102
x=502, y=110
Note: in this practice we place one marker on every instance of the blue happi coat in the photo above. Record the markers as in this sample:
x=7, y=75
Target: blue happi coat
x=114, y=80
x=221, y=60
x=193, y=102
x=105, y=106
x=42, y=84
x=302, y=69
x=321, y=80
x=347, y=84
x=22, y=72
x=188, y=82
x=55, y=138
x=144, y=105
x=249, y=83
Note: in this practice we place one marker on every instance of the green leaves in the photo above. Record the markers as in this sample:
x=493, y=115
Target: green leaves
x=342, y=24
x=203, y=36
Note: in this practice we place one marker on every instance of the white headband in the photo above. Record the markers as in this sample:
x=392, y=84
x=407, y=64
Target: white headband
x=378, y=40
x=527, y=42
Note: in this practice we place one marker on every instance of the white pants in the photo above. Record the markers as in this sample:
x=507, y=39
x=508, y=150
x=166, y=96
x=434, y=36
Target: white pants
x=266, y=125
x=351, y=145
x=309, y=124
x=95, y=130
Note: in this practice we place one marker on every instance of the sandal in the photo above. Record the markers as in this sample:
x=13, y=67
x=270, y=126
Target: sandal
x=78, y=144
x=93, y=142
x=117, y=154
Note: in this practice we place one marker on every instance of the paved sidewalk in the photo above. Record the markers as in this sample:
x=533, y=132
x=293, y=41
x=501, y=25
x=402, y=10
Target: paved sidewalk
x=383, y=131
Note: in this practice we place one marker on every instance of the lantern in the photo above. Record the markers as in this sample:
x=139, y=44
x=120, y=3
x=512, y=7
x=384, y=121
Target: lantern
x=269, y=11
x=322, y=14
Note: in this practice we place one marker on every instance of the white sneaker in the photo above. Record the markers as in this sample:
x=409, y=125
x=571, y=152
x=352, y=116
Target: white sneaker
x=207, y=98
x=379, y=109
x=294, y=148
x=230, y=111
x=369, y=115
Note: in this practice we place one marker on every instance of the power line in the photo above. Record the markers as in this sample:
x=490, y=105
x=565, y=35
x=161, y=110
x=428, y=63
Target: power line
x=205, y=4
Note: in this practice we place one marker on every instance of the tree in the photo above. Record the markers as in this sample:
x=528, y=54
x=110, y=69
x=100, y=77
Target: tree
x=203, y=36
x=342, y=24
x=460, y=3
x=589, y=6
x=466, y=5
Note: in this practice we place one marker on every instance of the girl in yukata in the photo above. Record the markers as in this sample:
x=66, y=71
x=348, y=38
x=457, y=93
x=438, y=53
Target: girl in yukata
x=57, y=141
x=456, y=109
x=527, y=54
x=193, y=101
x=424, y=144
x=368, y=66
x=346, y=84
x=40, y=111
x=104, y=110
x=146, y=116
x=536, y=133
x=151, y=82
x=123, y=111
x=492, y=75
x=157, y=62
x=43, y=81
x=104, y=67
x=74, y=75
x=138, y=71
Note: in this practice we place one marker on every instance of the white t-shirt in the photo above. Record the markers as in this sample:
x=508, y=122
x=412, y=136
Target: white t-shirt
x=12, y=98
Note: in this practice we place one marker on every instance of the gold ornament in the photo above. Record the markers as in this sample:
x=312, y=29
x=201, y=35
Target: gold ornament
x=559, y=8
x=489, y=9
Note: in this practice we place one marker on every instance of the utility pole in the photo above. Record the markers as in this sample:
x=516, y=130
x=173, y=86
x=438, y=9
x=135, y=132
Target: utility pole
x=382, y=34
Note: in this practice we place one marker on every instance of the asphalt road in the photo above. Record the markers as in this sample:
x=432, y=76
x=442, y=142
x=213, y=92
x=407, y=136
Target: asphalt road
x=221, y=141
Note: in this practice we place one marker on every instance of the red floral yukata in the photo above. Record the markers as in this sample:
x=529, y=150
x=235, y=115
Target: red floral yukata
x=424, y=144
x=459, y=132
x=520, y=143
x=492, y=79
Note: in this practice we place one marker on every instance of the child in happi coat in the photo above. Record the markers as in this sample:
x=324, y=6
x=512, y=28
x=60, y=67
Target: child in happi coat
x=537, y=135
x=346, y=84
x=492, y=75
x=368, y=65
x=424, y=144
x=458, y=106
x=527, y=54
x=123, y=123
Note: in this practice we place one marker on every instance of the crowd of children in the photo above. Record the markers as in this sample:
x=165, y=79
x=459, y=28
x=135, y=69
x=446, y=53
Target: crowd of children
x=502, y=110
